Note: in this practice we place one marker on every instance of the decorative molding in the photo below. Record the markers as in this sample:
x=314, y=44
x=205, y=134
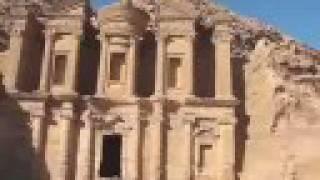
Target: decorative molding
x=205, y=127
x=222, y=33
x=17, y=32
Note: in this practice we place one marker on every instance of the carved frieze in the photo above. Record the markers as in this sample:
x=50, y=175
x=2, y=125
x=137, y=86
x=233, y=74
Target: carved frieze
x=184, y=27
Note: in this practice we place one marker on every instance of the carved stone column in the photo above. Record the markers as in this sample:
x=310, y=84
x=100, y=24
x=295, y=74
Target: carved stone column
x=38, y=143
x=132, y=67
x=102, y=75
x=37, y=133
x=157, y=139
x=190, y=65
x=16, y=48
x=86, y=148
x=133, y=150
x=188, y=127
x=223, y=74
x=73, y=64
x=46, y=62
x=227, y=149
x=160, y=66
x=66, y=125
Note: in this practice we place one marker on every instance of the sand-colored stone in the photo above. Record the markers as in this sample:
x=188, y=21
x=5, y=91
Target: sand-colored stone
x=194, y=92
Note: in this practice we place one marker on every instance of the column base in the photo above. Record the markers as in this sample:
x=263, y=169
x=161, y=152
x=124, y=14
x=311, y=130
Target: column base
x=227, y=173
x=157, y=97
x=12, y=90
x=190, y=97
x=100, y=96
x=225, y=98
x=42, y=92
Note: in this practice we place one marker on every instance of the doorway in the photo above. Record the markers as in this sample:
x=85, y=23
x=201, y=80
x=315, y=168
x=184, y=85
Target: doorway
x=110, y=166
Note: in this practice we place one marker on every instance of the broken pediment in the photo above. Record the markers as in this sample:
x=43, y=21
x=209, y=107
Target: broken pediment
x=120, y=12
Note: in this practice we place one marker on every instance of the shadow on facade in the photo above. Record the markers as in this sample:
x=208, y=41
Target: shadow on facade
x=146, y=65
x=18, y=159
x=204, y=66
x=31, y=55
x=89, y=61
x=241, y=133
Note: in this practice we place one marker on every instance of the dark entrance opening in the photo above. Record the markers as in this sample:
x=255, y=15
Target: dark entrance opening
x=204, y=62
x=146, y=66
x=111, y=156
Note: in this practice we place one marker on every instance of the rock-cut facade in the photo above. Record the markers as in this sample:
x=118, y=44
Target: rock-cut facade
x=138, y=90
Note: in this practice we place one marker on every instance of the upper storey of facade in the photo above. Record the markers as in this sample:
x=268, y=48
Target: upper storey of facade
x=169, y=49
x=168, y=46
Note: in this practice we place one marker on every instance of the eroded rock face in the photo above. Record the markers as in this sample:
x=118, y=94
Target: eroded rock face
x=282, y=100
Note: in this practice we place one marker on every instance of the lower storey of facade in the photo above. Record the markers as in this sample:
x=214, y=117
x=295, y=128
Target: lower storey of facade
x=138, y=140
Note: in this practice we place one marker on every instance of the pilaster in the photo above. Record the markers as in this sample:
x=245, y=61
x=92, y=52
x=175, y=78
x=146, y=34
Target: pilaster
x=38, y=134
x=160, y=66
x=190, y=65
x=132, y=66
x=223, y=74
x=157, y=128
x=227, y=149
x=102, y=75
x=45, y=80
x=133, y=149
x=86, y=148
x=16, y=48
x=66, y=124
x=189, y=146
x=73, y=64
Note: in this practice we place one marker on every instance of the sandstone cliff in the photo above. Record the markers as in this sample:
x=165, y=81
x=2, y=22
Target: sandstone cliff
x=280, y=99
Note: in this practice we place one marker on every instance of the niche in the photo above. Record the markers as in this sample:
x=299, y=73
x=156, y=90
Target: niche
x=205, y=154
x=117, y=67
x=60, y=63
x=174, y=73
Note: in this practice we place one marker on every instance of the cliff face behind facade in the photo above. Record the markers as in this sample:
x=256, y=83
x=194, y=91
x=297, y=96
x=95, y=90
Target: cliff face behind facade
x=279, y=113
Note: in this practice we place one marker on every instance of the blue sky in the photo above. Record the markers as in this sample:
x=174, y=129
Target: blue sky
x=298, y=18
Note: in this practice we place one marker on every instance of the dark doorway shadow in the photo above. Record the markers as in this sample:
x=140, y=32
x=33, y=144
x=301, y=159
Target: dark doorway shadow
x=17, y=156
x=146, y=65
x=241, y=132
x=204, y=66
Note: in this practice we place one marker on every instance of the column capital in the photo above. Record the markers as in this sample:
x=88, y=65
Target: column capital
x=222, y=32
x=161, y=36
x=229, y=120
x=191, y=35
x=66, y=116
x=188, y=122
x=189, y=119
x=86, y=115
x=77, y=33
x=17, y=32
x=101, y=36
x=133, y=39
x=38, y=114
x=48, y=32
x=66, y=112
